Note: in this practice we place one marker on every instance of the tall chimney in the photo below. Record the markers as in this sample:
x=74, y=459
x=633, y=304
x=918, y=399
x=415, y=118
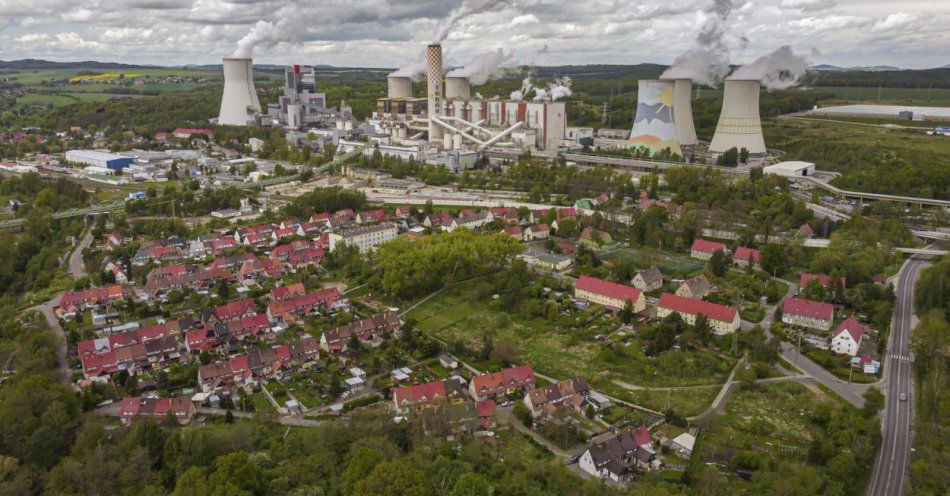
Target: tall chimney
x=434, y=90
x=239, y=101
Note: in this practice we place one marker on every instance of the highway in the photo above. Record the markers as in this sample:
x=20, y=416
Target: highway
x=891, y=467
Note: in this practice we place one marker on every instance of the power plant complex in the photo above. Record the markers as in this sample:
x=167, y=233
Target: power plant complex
x=451, y=127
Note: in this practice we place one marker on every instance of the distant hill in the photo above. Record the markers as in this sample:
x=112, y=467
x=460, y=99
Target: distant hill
x=873, y=68
x=25, y=64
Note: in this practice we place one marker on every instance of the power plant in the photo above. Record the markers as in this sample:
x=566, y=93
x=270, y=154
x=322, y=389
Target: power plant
x=683, y=112
x=239, y=102
x=739, y=124
x=654, y=124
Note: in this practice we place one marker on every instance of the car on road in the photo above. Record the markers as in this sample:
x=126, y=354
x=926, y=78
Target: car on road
x=902, y=397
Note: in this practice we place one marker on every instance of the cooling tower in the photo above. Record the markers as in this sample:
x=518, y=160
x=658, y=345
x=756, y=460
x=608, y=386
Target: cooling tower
x=654, y=125
x=434, y=89
x=399, y=87
x=239, y=102
x=683, y=111
x=457, y=87
x=739, y=125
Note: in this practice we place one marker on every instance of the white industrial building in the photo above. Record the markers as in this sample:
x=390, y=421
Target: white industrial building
x=98, y=158
x=791, y=168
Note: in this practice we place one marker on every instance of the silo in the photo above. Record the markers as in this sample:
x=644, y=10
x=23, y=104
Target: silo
x=683, y=111
x=239, y=100
x=399, y=87
x=654, y=125
x=434, y=90
x=457, y=87
x=739, y=124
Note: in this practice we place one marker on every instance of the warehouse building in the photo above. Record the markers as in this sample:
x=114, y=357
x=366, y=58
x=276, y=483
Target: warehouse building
x=98, y=159
x=792, y=168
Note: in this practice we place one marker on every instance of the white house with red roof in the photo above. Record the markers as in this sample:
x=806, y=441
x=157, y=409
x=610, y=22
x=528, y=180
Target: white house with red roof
x=808, y=313
x=704, y=249
x=515, y=232
x=721, y=318
x=745, y=256
x=609, y=294
x=846, y=338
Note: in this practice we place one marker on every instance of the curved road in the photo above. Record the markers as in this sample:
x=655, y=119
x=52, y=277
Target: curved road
x=77, y=270
x=891, y=467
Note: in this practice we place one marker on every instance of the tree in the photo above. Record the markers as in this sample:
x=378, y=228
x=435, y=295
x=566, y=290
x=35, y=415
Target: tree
x=472, y=484
x=522, y=413
x=873, y=402
x=626, y=314
x=744, y=155
x=719, y=263
x=362, y=463
x=395, y=478
x=774, y=259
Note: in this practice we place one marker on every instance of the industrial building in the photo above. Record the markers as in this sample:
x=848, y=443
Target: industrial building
x=792, y=168
x=739, y=123
x=300, y=104
x=239, y=102
x=908, y=112
x=98, y=159
x=450, y=118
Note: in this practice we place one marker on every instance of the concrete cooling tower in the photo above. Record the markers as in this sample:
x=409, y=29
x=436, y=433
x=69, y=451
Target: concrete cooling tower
x=239, y=102
x=457, y=87
x=654, y=125
x=434, y=90
x=739, y=124
x=399, y=87
x=683, y=111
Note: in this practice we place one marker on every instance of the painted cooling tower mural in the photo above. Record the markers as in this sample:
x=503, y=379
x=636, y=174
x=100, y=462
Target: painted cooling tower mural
x=653, y=126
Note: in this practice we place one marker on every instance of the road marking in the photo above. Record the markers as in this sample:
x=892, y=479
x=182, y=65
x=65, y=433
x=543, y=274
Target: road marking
x=900, y=358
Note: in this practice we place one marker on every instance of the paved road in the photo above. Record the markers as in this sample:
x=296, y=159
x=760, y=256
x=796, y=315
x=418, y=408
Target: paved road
x=890, y=468
x=77, y=268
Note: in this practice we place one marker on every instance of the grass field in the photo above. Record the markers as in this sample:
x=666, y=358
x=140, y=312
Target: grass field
x=558, y=351
x=671, y=266
x=778, y=131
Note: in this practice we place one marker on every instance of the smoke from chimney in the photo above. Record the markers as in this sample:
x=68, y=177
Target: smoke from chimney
x=780, y=69
x=468, y=8
x=483, y=67
x=708, y=62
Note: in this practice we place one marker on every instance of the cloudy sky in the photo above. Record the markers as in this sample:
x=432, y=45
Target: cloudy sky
x=389, y=33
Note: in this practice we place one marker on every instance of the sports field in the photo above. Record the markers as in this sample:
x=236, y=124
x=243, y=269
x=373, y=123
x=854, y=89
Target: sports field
x=672, y=266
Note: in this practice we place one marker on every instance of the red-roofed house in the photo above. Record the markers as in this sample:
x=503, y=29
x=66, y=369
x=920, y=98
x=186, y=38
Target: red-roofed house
x=377, y=215
x=157, y=409
x=805, y=279
x=722, y=319
x=846, y=338
x=703, y=249
x=235, y=310
x=185, y=133
x=744, y=255
x=807, y=313
x=295, y=306
x=609, y=294
x=422, y=395
x=514, y=232
x=487, y=386
x=282, y=293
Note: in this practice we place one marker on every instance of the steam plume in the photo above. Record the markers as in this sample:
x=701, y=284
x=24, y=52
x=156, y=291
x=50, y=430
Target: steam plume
x=526, y=87
x=708, y=62
x=557, y=89
x=468, y=8
x=483, y=67
x=778, y=70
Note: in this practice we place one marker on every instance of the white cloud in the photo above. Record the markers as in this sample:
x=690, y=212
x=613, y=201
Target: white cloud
x=384, y=33
x=894, y=21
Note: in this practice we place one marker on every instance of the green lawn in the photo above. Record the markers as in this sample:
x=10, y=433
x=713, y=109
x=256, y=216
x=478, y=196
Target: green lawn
x=670, y=265
x=558, y=351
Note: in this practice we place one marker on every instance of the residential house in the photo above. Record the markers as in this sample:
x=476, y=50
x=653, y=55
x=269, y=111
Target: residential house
x=370, y=216
x=448, y=361
x=245, y=370
x=806, y=231
x=825, y=280
x=722, y=319
x=609, y=294
x=402, y=211
x=807, y=313
x=614, y=458
x=414, y=397
x=157, y=409
x=570, y=393
x=73, y=302
x=703, y=249
x=472, y=221
x=235, y=310
x=593, y=238
x=683, y=445
x=321, y=300
x=696, y=287
x=366, y=238
x=745, y=256
x=281, y=293
x=114, y=240
x=537, y=231
x=367, y=330
x=515, y=232
x=438, y=219
x=488, y=386
x=648, y=280
x=846, y=338
x=203, y=279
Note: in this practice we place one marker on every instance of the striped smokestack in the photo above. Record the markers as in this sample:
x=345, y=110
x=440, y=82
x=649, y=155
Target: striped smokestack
x=434, y=89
